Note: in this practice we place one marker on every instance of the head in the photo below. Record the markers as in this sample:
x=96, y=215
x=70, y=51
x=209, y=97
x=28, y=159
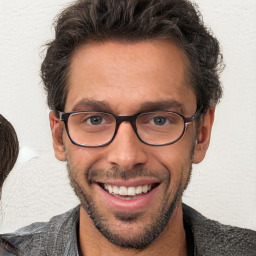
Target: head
x=9, y=149
x=124, y=58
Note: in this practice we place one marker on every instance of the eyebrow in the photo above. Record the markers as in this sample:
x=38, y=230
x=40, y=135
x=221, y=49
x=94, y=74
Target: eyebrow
x=161, y=105
x=88, y=104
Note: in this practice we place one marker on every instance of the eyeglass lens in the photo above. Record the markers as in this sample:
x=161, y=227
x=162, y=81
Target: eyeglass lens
x=96, y=128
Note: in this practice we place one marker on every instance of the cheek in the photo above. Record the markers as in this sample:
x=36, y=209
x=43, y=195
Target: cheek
x=80, y=158
x=176, y=155
x=176, y=159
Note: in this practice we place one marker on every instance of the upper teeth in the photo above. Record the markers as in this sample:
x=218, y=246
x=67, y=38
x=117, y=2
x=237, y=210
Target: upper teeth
x=127, y=191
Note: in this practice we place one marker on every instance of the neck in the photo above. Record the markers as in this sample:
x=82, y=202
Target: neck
x=172, y=240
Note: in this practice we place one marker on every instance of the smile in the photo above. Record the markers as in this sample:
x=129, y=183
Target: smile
x=129, y=196
x=128, y=191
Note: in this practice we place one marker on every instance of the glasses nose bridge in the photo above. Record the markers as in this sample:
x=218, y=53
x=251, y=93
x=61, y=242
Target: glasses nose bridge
x=130, y=119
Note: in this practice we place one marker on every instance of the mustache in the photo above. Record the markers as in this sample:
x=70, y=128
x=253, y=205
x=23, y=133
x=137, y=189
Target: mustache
x=124, y=174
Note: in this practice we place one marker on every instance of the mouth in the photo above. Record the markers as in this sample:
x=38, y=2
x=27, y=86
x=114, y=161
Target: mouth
x=128, y=196
x=130, y=192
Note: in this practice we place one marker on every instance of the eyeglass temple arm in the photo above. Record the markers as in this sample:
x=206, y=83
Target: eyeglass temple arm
x=196, y=115
x=60, y=114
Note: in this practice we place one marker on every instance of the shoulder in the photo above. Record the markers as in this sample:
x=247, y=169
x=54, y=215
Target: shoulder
x=37, y=238
x=214, y=238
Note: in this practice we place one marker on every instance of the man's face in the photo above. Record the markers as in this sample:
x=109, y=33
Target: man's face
x=126, y=79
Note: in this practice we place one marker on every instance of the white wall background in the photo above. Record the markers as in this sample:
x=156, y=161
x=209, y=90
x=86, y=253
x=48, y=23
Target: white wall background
x=223, y=187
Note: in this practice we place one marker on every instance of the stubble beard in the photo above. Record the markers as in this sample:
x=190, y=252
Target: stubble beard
x=146, y=236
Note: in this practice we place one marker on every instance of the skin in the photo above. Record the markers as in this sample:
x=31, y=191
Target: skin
x=130, y=78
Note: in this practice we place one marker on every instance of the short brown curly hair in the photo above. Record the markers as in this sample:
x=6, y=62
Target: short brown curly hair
x=130, y=21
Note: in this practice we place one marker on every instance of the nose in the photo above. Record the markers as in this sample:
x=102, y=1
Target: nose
x=126, y=151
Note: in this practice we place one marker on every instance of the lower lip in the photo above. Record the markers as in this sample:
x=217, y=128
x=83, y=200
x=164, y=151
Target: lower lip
x=138, y=203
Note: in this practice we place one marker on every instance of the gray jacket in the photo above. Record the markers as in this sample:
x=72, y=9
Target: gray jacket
x=58, y=237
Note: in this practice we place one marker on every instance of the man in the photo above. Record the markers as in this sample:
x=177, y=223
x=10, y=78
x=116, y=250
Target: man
x=9, y=151
x=132, y=86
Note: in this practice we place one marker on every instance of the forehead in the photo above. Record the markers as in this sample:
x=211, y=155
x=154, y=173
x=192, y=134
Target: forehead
x=125, y=76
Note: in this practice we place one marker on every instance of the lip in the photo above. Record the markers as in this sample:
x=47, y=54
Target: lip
x=116, y=203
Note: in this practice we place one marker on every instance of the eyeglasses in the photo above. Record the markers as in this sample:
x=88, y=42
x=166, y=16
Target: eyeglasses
x=97, y=129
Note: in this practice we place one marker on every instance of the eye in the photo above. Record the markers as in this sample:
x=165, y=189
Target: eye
x=95, y=120
x=159, y=120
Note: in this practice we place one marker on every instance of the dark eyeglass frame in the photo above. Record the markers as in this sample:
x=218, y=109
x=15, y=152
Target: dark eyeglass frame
x=64, y=116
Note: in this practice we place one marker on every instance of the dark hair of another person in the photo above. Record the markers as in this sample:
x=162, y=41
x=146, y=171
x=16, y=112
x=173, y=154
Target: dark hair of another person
x=132, y=21
x=6, y=248
x=9, y=148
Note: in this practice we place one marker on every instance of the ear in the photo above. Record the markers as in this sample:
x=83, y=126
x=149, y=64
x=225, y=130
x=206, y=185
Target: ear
x=204, y=136
x=57, y=130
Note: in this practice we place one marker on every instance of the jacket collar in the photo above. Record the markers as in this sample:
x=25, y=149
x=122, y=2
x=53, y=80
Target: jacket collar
x=66, y=242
